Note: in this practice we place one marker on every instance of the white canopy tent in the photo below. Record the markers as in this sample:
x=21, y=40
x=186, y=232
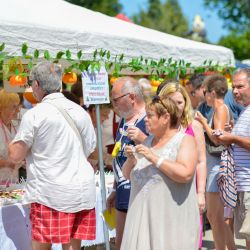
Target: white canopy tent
x=56, y=25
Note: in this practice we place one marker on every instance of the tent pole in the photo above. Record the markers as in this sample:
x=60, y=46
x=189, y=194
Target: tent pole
x=101, y=168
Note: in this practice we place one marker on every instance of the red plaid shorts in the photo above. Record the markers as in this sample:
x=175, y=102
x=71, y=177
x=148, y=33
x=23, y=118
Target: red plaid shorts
x=51, y=226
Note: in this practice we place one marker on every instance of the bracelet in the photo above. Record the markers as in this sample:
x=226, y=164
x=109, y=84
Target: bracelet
x=159, y=162
x=114, y=190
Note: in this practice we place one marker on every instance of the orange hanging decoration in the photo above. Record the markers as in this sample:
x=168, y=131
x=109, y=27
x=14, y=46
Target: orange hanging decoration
x=70, y=77
x=17, y=80
x=114, y=79
x=155, y=84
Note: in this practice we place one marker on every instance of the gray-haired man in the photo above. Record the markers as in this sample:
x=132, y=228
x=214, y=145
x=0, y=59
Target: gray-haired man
x=60, y=181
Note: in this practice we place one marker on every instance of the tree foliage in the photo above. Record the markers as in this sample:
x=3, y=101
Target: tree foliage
x=166, y=17
x=236, y=13
x=107, y=7
x=238, y=43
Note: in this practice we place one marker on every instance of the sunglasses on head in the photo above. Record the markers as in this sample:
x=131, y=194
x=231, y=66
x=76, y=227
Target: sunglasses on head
x=157, y=98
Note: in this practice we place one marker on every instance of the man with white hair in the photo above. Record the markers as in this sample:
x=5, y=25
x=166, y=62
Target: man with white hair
x=128, y=98
x=240, y=139
x=60, y=181
x=146, y=86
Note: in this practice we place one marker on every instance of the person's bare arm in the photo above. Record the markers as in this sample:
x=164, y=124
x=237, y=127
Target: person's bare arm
x=201, y=168
x=111, y=199
x=183, y=169
x=129, y=163
x=7, y=163
x=18, y=151
x=220, y=118
x=227, y=138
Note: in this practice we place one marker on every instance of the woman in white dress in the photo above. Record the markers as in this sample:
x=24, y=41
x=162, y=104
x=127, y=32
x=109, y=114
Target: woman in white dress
x=9, y=109
x=163, y=209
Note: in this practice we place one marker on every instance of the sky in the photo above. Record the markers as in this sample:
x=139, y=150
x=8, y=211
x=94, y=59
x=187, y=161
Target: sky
x=190, y=8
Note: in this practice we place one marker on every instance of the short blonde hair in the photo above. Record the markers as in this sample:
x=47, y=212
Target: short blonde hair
x=187, y=115
x=169, y=106
x=7, y=99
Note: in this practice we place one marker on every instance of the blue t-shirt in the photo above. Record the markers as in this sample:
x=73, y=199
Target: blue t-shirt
x=122, y=184
x=207, y=111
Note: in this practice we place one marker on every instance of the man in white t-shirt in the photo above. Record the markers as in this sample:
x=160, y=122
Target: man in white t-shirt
x=240, y=138
x=60, y=181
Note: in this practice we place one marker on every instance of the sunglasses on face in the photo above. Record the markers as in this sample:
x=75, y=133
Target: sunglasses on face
x=205, y=92
x=157, y=98
x=118, y=98
x=193, y=91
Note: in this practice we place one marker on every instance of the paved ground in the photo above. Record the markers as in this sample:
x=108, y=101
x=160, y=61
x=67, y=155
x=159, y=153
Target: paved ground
x=207, y=243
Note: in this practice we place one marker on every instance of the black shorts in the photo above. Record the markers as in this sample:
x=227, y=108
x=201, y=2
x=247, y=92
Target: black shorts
x=122, y=210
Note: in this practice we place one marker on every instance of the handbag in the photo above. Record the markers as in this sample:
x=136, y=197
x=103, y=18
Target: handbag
x=226, y=179
x=245, y=228
x=211, y=148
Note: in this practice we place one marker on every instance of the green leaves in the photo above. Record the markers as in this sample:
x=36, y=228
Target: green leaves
x=28, y=57
x=24, y=48
x=117, y=67
x=36, y=54
x=2, y=47
x=30, y=65
x=79, y=54
x=68, y=54
x=6, y=68
x=46, y=55
x=108, y=55
x=95, y=53
x=121, y=57
x=59, y=55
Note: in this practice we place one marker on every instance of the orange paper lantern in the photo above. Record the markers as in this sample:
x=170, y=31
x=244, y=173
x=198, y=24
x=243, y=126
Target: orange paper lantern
x=70, y=77
x=17, y=80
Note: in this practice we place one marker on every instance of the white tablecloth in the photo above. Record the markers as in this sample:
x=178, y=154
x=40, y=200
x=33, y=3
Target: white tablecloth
x=15, y=226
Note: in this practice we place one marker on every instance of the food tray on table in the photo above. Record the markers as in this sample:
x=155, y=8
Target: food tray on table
x=11, y=197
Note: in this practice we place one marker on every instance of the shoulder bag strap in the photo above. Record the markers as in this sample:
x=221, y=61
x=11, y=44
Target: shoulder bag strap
x=67, y=117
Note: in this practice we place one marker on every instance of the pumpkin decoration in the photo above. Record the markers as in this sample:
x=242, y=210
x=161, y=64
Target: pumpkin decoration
x=155, y=84
x=69, y=77
x=114, y=79
x=17, y=80
x=30, y=98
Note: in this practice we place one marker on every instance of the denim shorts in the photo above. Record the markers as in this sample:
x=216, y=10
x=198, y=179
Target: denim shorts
x=213, y=167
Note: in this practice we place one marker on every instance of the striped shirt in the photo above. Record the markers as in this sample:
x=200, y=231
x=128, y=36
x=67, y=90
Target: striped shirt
x=241, y=155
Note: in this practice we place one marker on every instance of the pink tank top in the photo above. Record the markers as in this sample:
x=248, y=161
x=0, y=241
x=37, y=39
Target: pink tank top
x=189, y=130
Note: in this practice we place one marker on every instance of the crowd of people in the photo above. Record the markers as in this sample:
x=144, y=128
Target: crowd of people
x=165, y=172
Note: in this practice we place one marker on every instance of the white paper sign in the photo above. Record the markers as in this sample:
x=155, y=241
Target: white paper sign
x=95, y=86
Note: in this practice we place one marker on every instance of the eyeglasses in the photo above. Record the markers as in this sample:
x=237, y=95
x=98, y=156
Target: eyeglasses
x=30, y=82
x=116, y=99
x=157, y=98
x=192, y=92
